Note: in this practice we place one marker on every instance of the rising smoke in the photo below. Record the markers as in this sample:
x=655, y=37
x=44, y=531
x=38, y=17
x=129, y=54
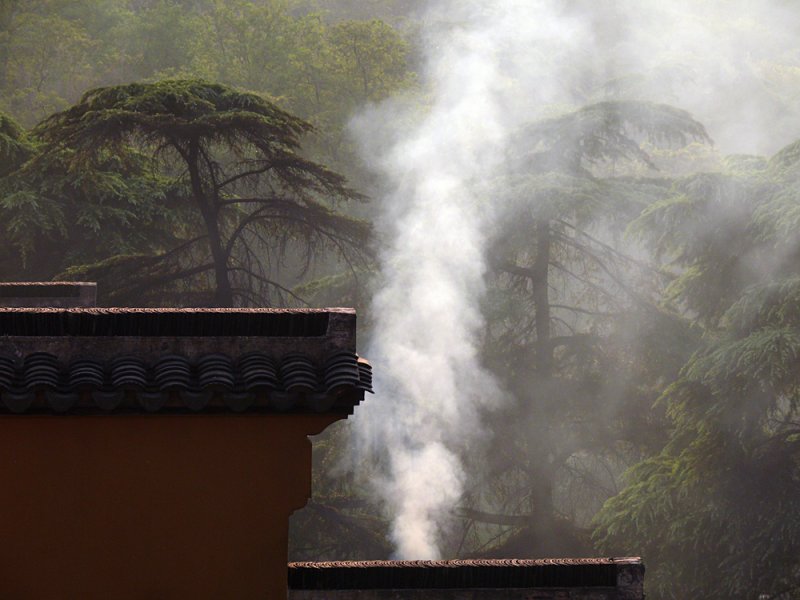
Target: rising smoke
x=492, y=66
x=437, y=220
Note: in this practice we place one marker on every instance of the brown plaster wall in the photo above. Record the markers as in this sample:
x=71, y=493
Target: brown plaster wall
x=150, y=506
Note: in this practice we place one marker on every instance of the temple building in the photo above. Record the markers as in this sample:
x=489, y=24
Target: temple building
x=158, y=453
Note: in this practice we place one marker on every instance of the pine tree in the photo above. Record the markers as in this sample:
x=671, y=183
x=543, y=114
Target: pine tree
x=233, y=165
x=568, y=309
x=715, y=512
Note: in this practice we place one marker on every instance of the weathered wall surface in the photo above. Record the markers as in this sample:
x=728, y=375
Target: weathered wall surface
x=135, y=507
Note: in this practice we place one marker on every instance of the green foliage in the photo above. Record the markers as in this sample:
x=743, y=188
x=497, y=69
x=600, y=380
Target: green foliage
x=55, y=216
x=15, y=148
x=47, y=61
x=693, y=229
x=165, y=40
x=53, y=50
x=372, y=54
x=232, y=161
x=569, y=318
x=607, y=132
x=187, y=109
x=774, y=303
x=28, y=217
x=714, y=512
x=338, y=10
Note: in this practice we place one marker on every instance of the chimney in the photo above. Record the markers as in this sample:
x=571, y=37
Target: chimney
x=158, y=453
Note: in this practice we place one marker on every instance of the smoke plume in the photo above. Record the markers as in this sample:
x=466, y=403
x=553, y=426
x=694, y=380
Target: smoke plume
x=438, y=214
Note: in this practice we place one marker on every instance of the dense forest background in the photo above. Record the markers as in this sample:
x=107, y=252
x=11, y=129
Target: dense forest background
x=640, y=312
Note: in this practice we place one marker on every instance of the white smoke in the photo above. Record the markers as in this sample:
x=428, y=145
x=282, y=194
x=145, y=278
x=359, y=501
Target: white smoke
x=438, y=214
x=491, y=67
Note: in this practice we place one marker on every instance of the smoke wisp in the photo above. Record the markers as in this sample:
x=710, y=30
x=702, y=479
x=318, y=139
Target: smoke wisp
x=437, y=218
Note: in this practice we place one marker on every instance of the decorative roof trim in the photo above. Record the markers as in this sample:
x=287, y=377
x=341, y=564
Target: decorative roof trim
x=167, y=322
x=253, y=382
x=460, y=574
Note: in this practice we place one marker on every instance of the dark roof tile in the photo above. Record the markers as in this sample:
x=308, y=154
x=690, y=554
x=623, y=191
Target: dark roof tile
x=177, y=383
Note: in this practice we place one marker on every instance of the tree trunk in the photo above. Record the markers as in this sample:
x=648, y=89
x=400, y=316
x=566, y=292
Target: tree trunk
x=7, y=9
x=542, y=514
x=541, y=298
x=223, y=296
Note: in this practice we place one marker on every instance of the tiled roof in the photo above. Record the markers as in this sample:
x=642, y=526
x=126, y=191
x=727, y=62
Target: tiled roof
x=252, y=382
x=459, y=574
x=84, y=360
x=165, y=322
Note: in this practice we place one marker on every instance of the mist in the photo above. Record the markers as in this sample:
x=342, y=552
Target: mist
x=569, y=229
x=438, y=215
x=490, y=69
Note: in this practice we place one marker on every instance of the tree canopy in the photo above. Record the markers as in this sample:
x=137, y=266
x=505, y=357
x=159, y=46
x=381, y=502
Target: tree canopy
x=557, y=337
x=234, y=170
x=15, y=148
x=725, y=483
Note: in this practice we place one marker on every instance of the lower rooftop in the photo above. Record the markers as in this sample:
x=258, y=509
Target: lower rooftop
x=543, y=579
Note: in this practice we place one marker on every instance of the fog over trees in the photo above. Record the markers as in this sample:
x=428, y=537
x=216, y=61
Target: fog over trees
x=570, y=230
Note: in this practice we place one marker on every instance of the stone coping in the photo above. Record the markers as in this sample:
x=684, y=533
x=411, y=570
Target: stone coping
x=461, y=574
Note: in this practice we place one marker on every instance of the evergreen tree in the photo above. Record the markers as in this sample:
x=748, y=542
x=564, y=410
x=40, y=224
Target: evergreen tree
x=568, y=312
x=234, y=169
x=715, y=512
x=15, y=147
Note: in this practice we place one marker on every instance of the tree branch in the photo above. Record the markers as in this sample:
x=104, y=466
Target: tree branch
x=269, y=282
x=494, y=519
x=238, y=176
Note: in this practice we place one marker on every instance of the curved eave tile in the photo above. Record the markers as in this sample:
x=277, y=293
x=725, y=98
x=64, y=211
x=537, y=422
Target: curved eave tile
x=173, y=383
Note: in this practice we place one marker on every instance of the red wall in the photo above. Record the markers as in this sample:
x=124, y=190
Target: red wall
x=150, y=506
